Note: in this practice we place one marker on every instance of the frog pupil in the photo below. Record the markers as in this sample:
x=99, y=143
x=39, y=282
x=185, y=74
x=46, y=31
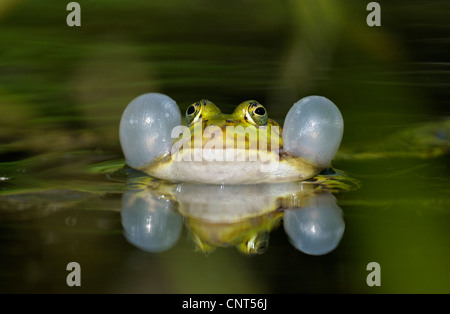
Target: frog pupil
x=190, y=110
x=260, y=111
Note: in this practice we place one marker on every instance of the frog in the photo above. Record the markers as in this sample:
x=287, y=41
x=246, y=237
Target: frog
x=243, y=147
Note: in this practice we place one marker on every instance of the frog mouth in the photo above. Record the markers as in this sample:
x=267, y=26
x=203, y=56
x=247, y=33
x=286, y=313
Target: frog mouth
x=235, y=144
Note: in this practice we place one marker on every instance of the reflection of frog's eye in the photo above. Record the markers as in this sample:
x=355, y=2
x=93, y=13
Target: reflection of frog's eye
x=260, y=247
x=192, y=112
x=258, y=244
x=258, y=114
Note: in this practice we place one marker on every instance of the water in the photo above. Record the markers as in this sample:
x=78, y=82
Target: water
x=62, y=185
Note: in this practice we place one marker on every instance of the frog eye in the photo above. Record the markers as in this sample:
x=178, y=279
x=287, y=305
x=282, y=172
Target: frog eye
x=193, y=112
x=257, y=113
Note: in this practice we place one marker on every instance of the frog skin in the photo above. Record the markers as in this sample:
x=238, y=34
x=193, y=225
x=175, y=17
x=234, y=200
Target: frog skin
x=244, y=147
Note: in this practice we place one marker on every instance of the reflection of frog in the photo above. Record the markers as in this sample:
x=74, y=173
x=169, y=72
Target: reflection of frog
x=250, y=236
x=234, y=215
x=244, y=147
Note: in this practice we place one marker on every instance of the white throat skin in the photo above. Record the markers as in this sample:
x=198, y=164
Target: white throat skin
x=233, y=172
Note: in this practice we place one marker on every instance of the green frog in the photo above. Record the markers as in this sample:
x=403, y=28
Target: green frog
x=244, y=147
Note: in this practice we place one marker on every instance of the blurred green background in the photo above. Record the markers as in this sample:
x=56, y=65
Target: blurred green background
x=63, y=90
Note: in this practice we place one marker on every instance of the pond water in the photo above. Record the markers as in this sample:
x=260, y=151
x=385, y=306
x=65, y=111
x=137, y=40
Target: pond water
x=65, y=195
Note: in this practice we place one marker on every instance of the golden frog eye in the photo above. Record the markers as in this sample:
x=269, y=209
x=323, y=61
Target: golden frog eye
x=257, y=113
x=193, y=112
